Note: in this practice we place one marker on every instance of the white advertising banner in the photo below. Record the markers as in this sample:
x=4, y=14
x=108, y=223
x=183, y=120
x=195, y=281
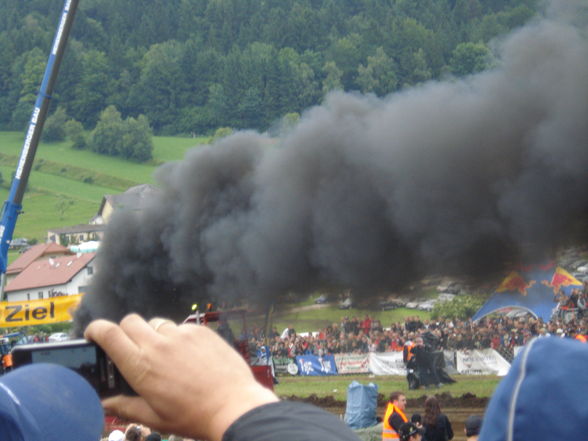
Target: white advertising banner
x=352, y=363
x=386, y=363
x=481, y=362
x=449, y=358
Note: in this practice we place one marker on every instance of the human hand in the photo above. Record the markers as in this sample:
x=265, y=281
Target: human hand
x=189, y=380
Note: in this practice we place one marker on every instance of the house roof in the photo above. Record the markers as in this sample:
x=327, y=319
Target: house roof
x=33, y=253
x=133, y=199
x=80, y=228
x=49, y=272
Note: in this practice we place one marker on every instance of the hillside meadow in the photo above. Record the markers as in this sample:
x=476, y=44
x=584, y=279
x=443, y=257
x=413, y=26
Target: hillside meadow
x=66, y=186
x=312, y=319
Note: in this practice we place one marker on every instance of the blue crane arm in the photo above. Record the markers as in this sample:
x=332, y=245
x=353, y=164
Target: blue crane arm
x=10, y=212
x=13, y=206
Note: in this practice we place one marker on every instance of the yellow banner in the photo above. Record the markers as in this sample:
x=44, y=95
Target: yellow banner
x=38, y=312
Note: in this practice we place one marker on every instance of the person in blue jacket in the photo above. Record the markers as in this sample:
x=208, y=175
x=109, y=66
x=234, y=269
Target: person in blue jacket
x=543, y=396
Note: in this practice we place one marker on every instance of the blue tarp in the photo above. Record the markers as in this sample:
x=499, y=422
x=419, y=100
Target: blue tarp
x=362, y=404
x=531, y=288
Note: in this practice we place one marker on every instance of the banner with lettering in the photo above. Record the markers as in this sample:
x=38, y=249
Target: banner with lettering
x=38, y=312
x=352, y=363
x=481, y=362
x=281, y=365
x=314, y=365
x=449, y=357
x=386, y=363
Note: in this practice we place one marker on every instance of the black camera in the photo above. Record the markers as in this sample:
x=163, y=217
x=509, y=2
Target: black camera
x=84, y=357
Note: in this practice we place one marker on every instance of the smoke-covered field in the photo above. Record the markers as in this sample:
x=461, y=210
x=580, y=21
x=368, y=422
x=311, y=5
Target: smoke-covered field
x=369, y=194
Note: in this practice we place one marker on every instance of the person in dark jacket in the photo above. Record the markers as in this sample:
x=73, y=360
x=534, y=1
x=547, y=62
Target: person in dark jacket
x=473, y=425
x=436, y=424
x=409, y=432
x=425, y=367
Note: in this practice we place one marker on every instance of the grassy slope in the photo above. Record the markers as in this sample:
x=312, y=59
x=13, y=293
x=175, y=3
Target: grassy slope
x=305, y=320
x=58, y=175
x=165, y=149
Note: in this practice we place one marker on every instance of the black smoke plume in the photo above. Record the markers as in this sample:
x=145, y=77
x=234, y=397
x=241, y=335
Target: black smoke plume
x=369, y=194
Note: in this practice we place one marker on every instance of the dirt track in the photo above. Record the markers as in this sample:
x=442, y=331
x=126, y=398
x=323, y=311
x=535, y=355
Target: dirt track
x=457, y=409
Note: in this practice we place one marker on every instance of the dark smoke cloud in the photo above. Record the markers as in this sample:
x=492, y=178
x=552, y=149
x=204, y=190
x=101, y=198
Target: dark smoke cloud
x=368, y=193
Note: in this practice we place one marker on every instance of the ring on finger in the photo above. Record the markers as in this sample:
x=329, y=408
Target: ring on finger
x=161, y=323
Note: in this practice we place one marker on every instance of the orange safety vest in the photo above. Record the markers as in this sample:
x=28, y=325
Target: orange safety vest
x=7, y=361
x=388, y=431
x=409, y=353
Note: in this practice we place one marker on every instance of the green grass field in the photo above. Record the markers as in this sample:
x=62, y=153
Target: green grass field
x=66, y=186
x=336, y=386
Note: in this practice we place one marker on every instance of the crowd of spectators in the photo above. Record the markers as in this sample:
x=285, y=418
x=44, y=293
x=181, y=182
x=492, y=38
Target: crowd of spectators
x=362, y=335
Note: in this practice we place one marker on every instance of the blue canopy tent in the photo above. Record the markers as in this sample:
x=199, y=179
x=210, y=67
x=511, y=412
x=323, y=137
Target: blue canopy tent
x=531, y=288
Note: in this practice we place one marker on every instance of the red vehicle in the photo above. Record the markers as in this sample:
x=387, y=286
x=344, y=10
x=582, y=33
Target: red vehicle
x=219, y=321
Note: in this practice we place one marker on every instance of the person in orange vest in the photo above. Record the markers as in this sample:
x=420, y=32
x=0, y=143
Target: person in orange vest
x=573, y=333
x=7, y=362
x=407, y=354
x=5, y=354
x=412, y=376
x=394, y=416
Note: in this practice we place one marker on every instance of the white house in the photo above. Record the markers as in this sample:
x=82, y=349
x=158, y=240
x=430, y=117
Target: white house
x=56, y=276
x=134, y=199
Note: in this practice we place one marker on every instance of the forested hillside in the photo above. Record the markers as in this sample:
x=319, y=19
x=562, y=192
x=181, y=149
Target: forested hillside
x=191, y=66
